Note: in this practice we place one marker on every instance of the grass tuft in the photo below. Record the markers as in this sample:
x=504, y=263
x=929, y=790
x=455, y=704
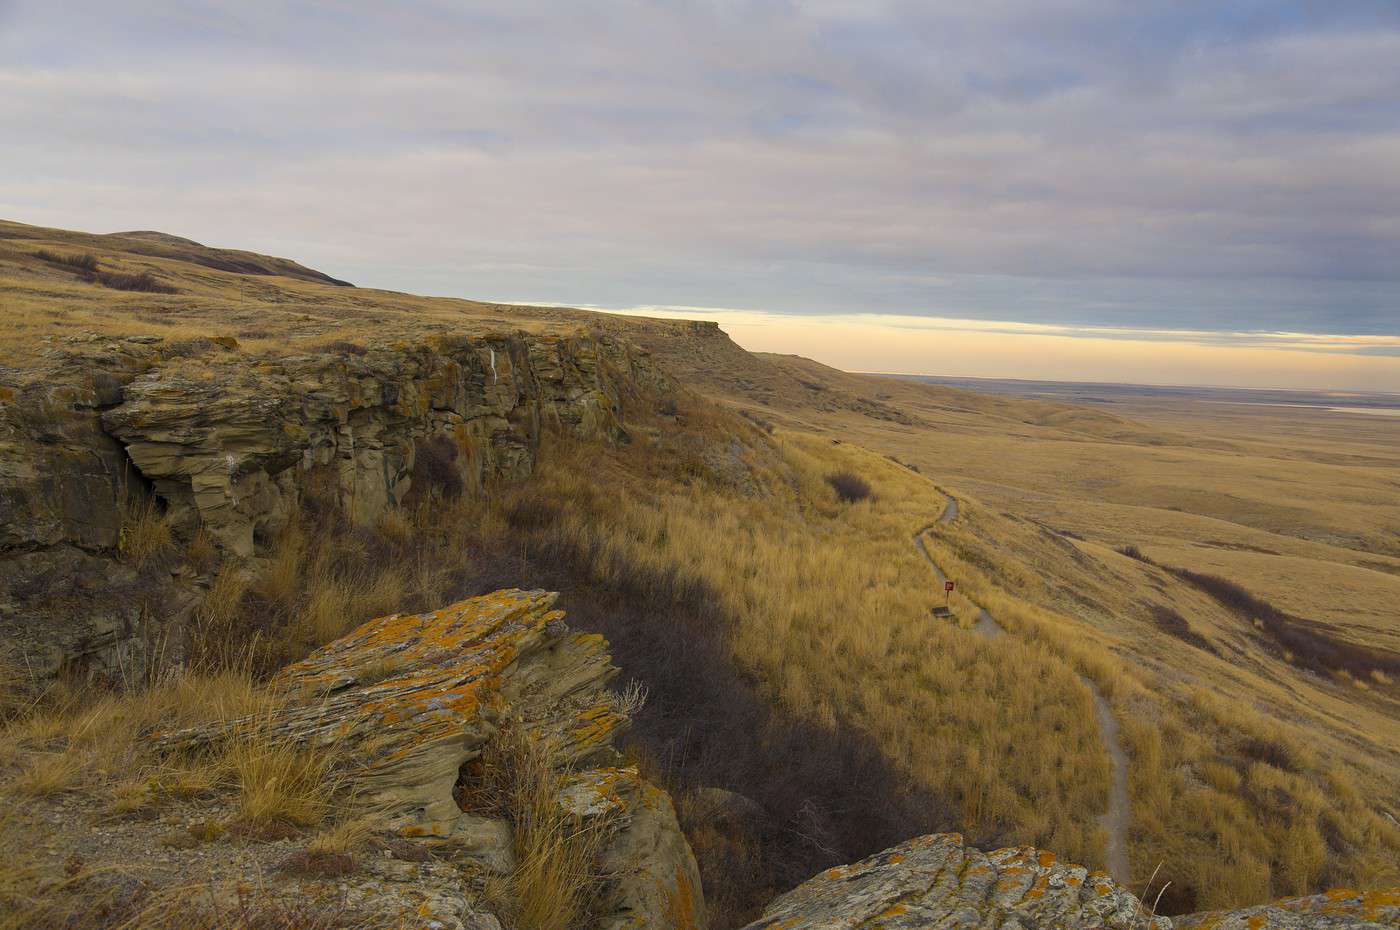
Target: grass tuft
x=280, y=780
x=145, y=531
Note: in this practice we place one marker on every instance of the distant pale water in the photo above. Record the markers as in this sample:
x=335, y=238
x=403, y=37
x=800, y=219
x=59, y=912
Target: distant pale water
x=1373, y=403
x=1375, y=411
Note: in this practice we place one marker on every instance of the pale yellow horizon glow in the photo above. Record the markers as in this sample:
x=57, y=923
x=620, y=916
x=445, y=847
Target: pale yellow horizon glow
x=890, y=344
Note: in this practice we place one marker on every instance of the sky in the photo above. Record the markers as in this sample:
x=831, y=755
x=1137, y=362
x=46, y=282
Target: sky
x=1164, y=191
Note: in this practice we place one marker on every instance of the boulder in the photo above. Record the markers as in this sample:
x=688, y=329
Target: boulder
x=406, y=701
x=937, y=881
x=654, y=881
x=1339, y=909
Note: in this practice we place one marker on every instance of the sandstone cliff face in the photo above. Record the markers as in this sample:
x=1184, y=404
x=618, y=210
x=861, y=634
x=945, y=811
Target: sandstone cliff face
x=231, y=444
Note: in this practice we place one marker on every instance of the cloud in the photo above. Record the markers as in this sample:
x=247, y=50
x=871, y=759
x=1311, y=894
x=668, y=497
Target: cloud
x=1171, y=164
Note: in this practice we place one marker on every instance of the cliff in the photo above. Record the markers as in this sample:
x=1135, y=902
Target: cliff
x=228, y=444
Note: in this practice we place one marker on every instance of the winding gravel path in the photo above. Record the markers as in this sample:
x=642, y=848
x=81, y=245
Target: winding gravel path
x=1115, y=819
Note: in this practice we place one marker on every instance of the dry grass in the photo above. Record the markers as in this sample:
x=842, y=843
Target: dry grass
x=556, y=877
x=1251, y=777
x=269, y=313
x=95, y=743
x=145, y=532
x=47, y=773
x=833, y=615
x=343, y=838
x=279, y=780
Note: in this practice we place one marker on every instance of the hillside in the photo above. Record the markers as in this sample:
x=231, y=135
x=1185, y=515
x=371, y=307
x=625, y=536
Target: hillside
x=215, y=465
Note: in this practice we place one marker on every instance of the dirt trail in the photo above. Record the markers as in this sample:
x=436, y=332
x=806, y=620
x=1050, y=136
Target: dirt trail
x=1115, y=819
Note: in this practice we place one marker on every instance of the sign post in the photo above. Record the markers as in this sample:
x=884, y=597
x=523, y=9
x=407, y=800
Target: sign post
x=947, y=593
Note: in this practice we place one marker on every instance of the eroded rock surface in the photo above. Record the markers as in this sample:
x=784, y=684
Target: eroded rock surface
x=232, y=444
x=407, y=700
x=1340, y=909
x=938, y=881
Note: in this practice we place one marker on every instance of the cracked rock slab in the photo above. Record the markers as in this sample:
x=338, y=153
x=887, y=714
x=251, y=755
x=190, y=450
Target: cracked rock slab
x=937, y=881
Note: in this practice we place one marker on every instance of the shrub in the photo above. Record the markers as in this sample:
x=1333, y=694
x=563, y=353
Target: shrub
x=85, y=263
x=142, y=281
x=1133, y=552
x=1173, y=622
x=435, y=471
x=849, y=487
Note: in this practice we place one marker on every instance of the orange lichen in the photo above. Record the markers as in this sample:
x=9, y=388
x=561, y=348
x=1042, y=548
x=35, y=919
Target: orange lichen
x=680, y=903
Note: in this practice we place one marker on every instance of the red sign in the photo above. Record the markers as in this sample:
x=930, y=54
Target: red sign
x=948, y=586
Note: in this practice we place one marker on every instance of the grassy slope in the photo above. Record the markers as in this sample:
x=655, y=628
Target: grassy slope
x=1300, y=514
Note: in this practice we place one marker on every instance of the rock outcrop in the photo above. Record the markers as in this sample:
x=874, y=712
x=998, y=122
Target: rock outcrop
x=231, y=448
x=232, y=444
x=408, y=702
x=1339, y=909
x=937, y=882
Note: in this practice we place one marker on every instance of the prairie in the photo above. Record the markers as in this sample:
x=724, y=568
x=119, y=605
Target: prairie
x=1228, y=578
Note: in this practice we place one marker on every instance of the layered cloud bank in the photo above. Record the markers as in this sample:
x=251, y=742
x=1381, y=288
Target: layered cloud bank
x=1171, y=164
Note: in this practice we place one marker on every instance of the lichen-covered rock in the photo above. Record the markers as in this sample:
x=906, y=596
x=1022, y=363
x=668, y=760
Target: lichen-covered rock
x=937, y=881
x=407, y=700
x=654, y=881
x=1339, y=909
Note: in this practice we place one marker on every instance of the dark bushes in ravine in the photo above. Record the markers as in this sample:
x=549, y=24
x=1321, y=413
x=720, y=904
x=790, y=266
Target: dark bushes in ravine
x=435, y=468
x=142, y=281
x=1305, y=642
x=88, y=268
x=849, y=487
x=86, y=262
x=1171, y=621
